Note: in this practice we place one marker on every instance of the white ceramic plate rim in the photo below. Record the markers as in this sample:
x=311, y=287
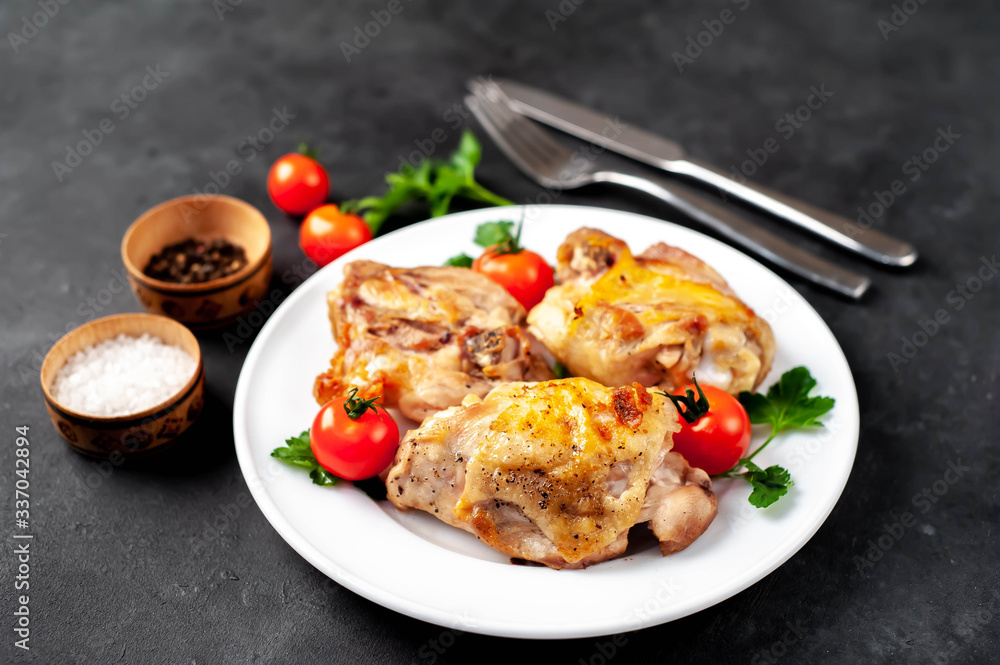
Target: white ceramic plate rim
x=370, y=581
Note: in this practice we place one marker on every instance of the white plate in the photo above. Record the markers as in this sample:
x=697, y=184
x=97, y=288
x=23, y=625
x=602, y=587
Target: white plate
x=417, y=565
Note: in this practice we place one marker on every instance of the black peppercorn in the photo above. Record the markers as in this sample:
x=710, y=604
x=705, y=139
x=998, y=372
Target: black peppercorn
x=195, y=261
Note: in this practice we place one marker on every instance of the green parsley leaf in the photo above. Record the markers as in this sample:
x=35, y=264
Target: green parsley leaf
x=460, y=261
x=432, y=181
x=447, y=184
x=787, y=403
x=464, y=162
x=560, y=371
x=469, y=153
x=297, y=451
x=298, y=458
x=768, y=484
x=299, y=442
x=322, y=477
x=493, y=233
x=408, y=184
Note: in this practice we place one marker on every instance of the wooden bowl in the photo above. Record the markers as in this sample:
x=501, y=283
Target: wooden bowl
x=137, y=434
x=216, y=302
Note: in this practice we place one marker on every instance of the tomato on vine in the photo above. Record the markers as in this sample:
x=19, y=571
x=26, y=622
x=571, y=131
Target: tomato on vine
x=523, y=273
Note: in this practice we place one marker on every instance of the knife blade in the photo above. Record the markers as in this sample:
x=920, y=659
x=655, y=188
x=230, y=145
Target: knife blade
x=614, y=134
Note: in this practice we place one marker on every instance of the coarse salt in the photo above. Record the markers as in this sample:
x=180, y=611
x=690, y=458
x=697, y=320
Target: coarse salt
x=122, y=376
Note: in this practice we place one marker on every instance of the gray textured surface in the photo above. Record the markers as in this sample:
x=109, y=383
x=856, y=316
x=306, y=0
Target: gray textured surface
x=117, y=571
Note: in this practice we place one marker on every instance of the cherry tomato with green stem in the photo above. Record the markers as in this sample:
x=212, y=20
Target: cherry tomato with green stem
x=715, y=428
x=354, y=439
x=524, y=274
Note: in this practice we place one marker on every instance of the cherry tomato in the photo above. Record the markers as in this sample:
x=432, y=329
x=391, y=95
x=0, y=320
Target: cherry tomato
x=297, y=184
x=718, y=439
x=327, y=234
x=525, y=275
x=353, y=448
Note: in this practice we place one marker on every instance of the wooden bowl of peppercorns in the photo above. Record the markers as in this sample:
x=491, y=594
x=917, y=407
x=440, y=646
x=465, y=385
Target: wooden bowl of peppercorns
x=202, y=260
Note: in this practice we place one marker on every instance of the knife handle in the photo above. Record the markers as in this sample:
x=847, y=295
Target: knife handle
x=868, y=242
x=743, y=232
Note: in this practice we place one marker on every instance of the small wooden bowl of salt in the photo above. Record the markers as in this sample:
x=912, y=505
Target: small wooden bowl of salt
x=124, y=385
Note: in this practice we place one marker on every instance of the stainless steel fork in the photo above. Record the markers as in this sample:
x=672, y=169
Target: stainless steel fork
x=554, y=166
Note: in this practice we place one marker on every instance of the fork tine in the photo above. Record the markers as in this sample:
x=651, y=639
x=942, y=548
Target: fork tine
x=512, y=143
x=515, y=154
x=507, y=123
x=534, y=136
x=536, y=153
x=544, y=154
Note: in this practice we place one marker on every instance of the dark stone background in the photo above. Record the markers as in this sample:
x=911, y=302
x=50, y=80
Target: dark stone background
x=117, y=574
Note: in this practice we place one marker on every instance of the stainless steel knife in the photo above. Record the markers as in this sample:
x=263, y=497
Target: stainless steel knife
x=617, y=136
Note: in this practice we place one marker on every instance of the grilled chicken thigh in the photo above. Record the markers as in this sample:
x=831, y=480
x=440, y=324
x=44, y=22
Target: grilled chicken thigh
x=655, y=319
x=555, y=472
x=424, y=338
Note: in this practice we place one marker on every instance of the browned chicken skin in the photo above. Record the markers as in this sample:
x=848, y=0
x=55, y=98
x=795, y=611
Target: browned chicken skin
x=424, y=338
x=656, y=318
x=555, y=472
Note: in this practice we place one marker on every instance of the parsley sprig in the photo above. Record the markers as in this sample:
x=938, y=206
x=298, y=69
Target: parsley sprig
x=497, y=236
x=768, y=484
x=433, y=181
x=787, y=405
x=461, y=261
x=298, y=452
